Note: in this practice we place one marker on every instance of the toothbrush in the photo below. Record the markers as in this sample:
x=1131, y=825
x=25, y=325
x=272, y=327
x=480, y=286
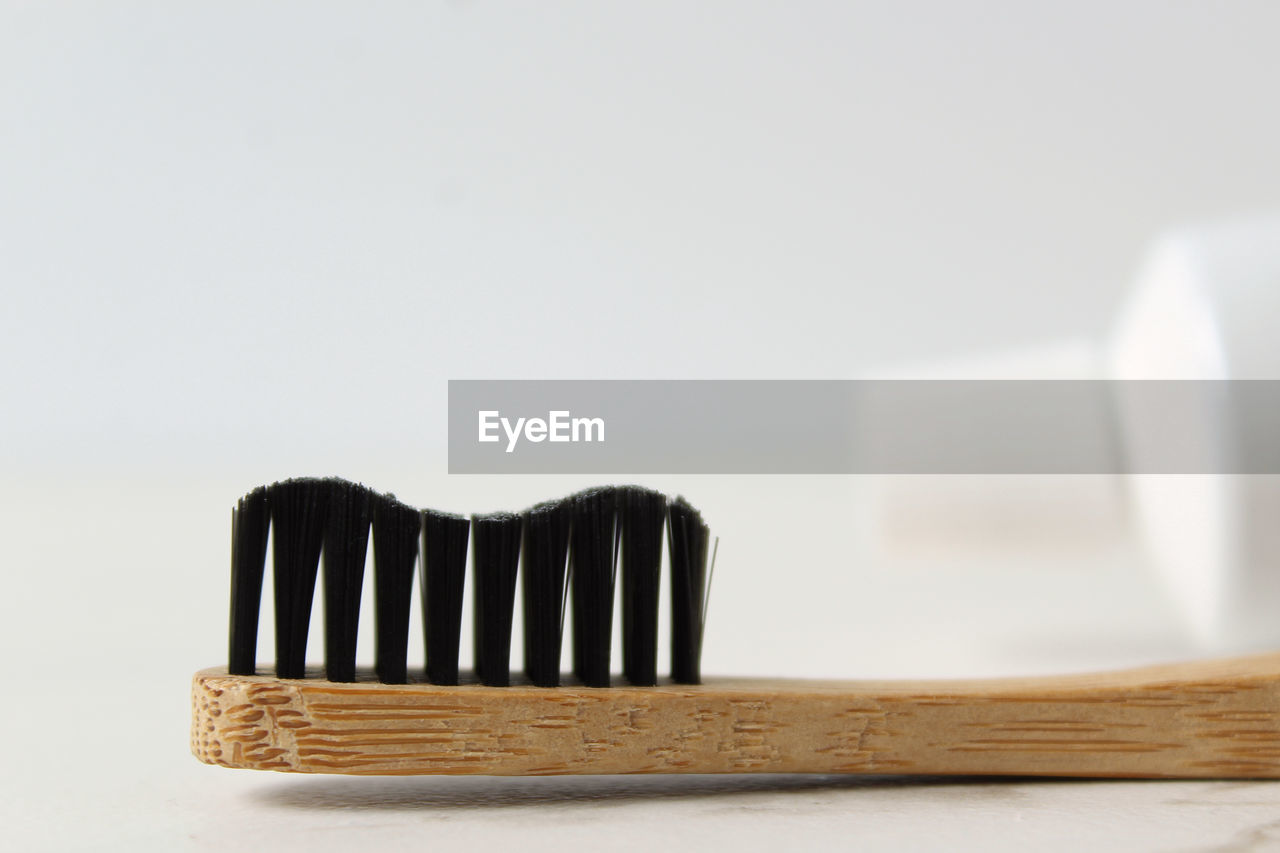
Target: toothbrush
x=1203, y=719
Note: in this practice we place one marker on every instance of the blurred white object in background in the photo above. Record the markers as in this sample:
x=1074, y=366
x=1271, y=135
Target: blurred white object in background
x=1206, y=305
x=1015, y=517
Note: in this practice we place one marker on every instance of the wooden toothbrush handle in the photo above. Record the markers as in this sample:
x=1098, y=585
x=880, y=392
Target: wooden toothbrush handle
x=1207, y=719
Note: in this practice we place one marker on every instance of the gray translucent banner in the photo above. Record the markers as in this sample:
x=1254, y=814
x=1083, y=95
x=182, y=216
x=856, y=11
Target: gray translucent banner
x=863, y=427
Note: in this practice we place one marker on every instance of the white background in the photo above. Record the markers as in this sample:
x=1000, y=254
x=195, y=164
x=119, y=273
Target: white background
x=246, y=241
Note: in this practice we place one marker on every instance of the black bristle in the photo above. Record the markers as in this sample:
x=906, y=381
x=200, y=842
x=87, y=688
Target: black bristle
x=642, y=514
x=346, y=540
x=688, y=537
x=395, y=548
x=298, y=510
x=593, y=560
x=444, y=568
x=546, y=550
x=250, y=521
x=572, y=545
x=497, y=554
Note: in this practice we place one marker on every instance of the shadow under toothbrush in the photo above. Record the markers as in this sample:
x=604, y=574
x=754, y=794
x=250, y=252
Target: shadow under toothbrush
x=499, y=792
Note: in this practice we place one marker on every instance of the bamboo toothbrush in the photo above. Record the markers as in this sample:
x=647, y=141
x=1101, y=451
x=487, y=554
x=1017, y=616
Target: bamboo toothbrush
x=1206, y=719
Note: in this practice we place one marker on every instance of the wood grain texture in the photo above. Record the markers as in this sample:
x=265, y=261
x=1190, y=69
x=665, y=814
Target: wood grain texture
x=1208, y=719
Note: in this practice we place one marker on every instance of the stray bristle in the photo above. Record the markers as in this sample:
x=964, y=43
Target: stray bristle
x=497, y=554
x=250, y=521
x=395, y=548
x=298, y=520
x=574, y=546
x=346, y=539
x=444, y=567
x=688, y=536
x=641, y=517
x=545, y=555
x=593, y=561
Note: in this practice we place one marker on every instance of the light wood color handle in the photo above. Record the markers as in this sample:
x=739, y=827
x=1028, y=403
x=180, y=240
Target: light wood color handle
x=1206, y=719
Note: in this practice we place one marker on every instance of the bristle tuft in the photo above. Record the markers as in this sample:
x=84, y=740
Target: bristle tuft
x=346, y=541
x=298, y=509
x=593, y=561
x=642, y=515
x=688, y=537
x=497, y=554
x=395, y=549
x=250, y=521
x=546, y=550
x=444, y=569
